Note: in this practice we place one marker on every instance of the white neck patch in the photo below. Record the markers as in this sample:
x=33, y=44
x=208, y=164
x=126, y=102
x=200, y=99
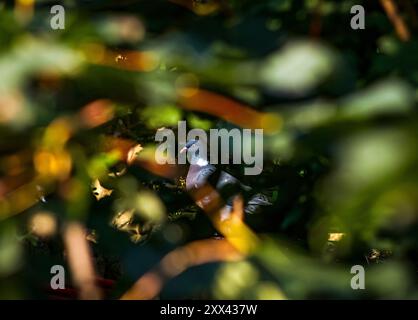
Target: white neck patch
x=202, y=162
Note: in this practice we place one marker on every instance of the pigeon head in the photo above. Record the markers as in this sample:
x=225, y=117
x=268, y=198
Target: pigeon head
x=192, y=147
x=188, y=145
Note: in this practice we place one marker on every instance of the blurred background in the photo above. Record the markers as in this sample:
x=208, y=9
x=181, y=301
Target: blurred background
x=80, y=106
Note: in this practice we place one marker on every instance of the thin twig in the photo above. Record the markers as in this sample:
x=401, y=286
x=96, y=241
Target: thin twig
x=316, y=23
x=81, y=262
x=177, y=261
x=400, y=26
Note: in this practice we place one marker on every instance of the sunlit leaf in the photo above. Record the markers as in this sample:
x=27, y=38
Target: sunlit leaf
x=99, y=191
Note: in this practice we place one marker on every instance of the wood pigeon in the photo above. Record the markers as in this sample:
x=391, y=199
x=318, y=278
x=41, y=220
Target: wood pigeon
x=201, y=172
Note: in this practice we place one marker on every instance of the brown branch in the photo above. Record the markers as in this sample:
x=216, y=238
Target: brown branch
x=201, y=100
x=81, y=262
x=316, y=24
x=400, y=26
x=233, y=229
x=239, y=241
x=193, y=254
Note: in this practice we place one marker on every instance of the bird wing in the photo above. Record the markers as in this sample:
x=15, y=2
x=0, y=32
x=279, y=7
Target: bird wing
x=198, y=176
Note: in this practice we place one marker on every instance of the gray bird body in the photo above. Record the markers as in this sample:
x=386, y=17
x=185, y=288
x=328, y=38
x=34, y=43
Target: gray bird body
x=199, y=173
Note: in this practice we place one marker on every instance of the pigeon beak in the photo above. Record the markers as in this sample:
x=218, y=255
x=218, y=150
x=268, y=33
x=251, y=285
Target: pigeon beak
x=183, y=150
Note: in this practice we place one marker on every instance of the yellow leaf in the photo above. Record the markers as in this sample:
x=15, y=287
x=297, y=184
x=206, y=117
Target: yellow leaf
x=133, y=153
x=334, y=237
x=99, y=191
x=123, y=219
x=135, y=232
x=43, y=224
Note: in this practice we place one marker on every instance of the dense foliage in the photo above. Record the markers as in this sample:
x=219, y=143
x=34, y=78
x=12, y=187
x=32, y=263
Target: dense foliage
x=79, y=109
